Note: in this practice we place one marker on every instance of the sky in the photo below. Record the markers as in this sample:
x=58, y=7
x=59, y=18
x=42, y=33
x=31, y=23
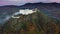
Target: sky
x=21, y=2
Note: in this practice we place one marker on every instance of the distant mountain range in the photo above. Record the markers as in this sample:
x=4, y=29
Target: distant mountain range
x=50, y=9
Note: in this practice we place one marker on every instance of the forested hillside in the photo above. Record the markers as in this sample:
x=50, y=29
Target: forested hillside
x=35, y=23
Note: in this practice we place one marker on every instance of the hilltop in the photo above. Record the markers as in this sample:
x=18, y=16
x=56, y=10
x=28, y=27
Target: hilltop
x=35, y=23
x=40, y=22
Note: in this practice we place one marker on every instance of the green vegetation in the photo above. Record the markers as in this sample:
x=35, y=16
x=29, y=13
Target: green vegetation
x=35, y=23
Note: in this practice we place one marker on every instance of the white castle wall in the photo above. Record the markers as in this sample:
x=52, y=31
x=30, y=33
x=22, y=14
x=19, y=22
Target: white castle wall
x=24, y=12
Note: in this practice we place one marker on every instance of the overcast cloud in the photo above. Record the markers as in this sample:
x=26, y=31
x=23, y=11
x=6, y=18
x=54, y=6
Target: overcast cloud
x=21, y=2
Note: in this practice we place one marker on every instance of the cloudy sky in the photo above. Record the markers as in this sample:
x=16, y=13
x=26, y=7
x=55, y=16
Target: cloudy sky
x=21, y=2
